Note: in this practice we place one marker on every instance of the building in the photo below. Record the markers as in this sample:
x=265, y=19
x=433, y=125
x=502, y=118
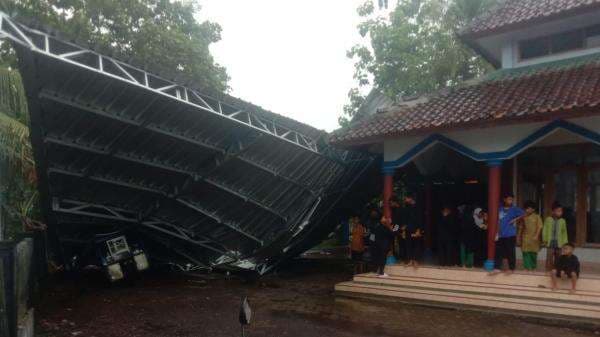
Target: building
x=531, y=126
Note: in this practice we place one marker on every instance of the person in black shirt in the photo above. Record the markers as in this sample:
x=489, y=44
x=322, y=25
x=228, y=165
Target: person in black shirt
x=566, y=265
x=469, y=235
x=384, y=234
x=414, y=230
x=447, y=238
x=371, y=222
x=399, y=243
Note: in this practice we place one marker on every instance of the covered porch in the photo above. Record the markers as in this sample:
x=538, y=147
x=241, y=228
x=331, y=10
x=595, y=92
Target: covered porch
x=556, y=160
x=544, y=162
x=532, y=130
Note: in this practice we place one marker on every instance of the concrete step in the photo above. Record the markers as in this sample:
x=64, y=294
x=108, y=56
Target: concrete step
x=452, y=298
x=521, y=293
x=465, y=286
x=586, y=283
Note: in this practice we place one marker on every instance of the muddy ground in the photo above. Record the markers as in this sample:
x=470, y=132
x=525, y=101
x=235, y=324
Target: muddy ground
x=298, y=301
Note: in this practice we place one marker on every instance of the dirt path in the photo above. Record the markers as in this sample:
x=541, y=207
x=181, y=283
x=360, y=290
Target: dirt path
x=296, y=302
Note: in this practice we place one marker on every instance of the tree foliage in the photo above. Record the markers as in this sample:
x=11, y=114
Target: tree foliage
x=18, y=194
x=160, y=34
x=415, y=50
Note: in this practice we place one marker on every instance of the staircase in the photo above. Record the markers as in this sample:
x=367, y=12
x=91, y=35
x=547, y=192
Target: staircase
x=518, y=293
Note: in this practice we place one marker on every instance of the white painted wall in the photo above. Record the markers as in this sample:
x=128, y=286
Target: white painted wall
x=493, y=139
x=486, y=140
x=508, y=55
x=396, y=148
x=591, y=123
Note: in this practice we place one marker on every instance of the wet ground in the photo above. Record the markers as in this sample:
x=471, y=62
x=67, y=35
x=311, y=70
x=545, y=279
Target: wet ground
x=296, y=302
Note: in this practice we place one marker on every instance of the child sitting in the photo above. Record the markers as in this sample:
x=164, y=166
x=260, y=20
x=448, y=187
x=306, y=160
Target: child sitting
x=567, y=265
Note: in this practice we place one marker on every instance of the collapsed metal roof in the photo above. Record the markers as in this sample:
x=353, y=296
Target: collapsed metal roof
x=217, y=181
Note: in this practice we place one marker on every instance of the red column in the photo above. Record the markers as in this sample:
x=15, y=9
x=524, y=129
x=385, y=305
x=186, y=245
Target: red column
x=388, y=191
x=494, y=190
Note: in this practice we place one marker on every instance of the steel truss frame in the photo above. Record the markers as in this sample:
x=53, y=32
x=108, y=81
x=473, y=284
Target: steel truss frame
x=44, y=43
x=107, y=114
x=81, y=208
x=312, y=155
x=169, y=167
x=233, y=226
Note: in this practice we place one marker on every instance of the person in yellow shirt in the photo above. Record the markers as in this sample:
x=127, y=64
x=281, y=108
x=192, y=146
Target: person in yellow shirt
x=530, y=236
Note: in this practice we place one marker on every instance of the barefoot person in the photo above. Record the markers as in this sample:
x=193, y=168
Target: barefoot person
x=508, y=216
x=566, y=266
x=554, y=234
x=529, y=236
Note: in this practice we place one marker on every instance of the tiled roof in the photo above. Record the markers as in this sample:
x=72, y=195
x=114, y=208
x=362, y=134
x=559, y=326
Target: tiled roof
x=511, y=13
x=538, y=92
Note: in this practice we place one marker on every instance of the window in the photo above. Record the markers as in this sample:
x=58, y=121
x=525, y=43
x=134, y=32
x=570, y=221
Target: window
x=592, y=36
x=585, y=38
x=534, y=48
x=567, y=41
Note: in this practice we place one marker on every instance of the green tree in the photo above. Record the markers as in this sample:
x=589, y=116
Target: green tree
x=416, y=50
x=160, y=34
x=18, y=194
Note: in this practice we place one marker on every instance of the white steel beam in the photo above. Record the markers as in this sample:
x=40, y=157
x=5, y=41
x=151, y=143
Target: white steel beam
x=22, y=35
x=76, y=207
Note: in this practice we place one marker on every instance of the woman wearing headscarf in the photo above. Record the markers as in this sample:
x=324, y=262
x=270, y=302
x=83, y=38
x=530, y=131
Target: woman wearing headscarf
x=480, y=223
x=470, y=236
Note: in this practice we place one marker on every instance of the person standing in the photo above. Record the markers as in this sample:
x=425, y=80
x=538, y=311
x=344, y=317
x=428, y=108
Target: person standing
x=480, y=219
x=447, y=237
x=508, y=216
x=554, y=235
x=414, y=230
x=371, y=222
x=468, y=237
x=399, y=242
x=357, y=244
x=384, y=234
x=529, y=236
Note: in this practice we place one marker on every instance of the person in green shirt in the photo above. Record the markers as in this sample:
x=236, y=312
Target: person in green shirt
x=554, y=234
x=529, y=236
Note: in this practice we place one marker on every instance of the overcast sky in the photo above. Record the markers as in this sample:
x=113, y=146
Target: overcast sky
x=288, y=56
